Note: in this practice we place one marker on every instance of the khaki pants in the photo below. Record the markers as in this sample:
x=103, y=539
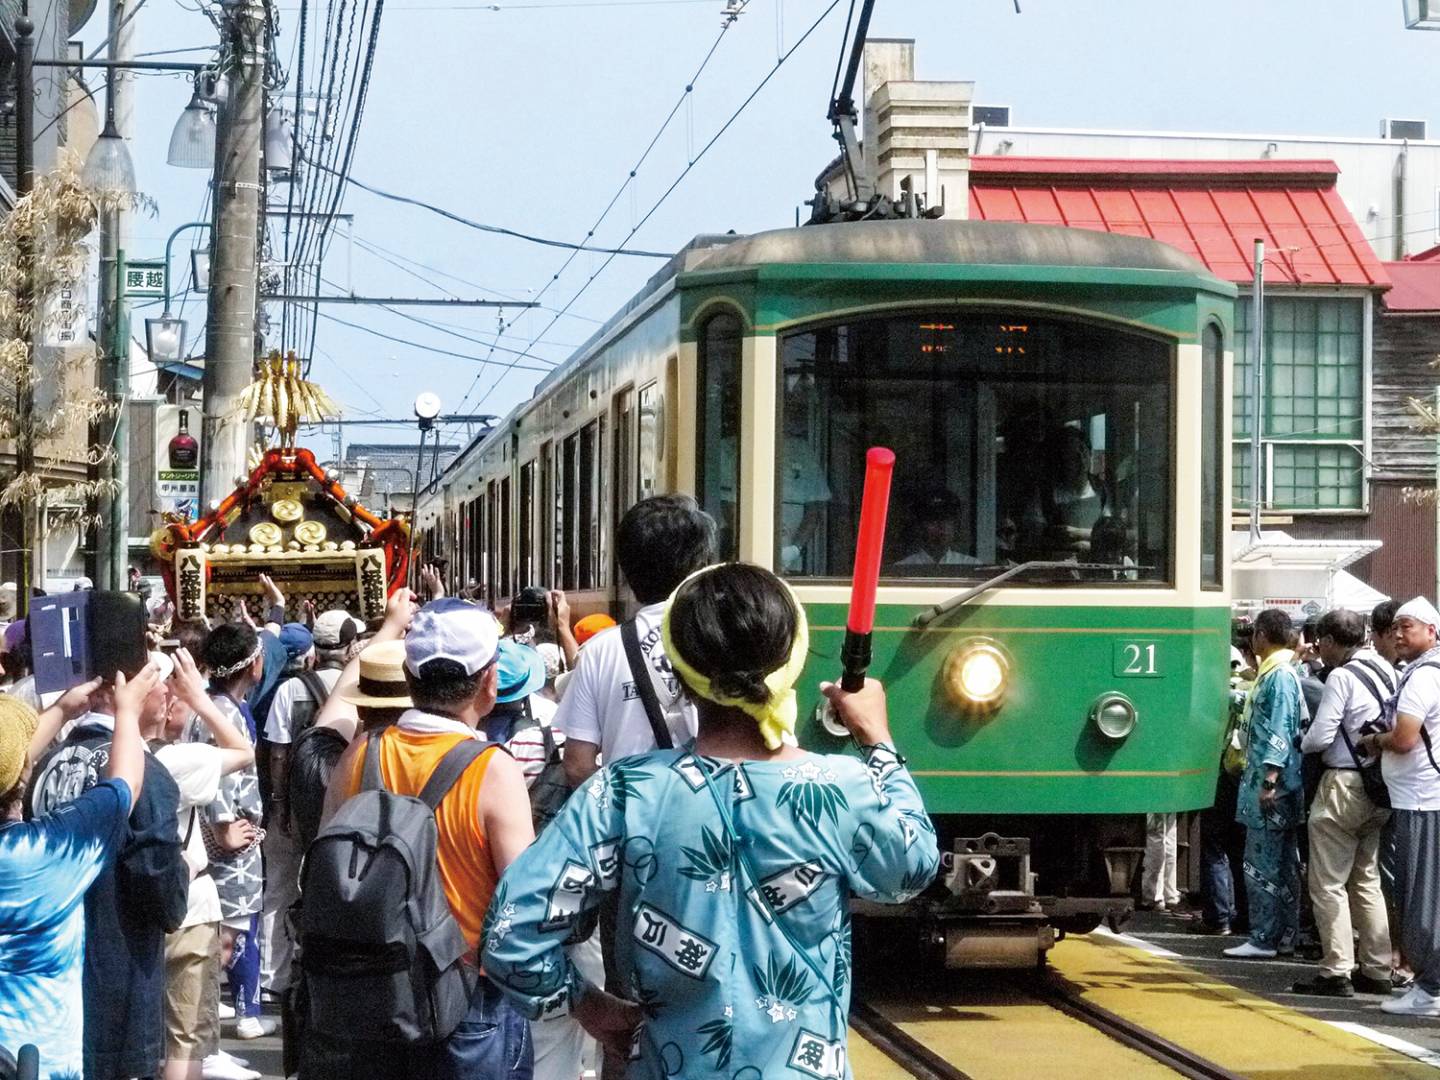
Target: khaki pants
x=1345, y=876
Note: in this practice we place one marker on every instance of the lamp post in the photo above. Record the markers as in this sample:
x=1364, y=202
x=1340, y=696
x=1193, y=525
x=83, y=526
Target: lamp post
x=427, y=408
x=107, y=167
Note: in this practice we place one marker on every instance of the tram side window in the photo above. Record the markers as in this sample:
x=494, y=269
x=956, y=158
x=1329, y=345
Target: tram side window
x=493, y=582
x=588, y=521
x=526, y=546
x=1016, y=440
x=649, y=464
x=624, y=477
x=569, y=491
x=719, y=480
x=1212, y=454
x=507, y=561
x=477, y=540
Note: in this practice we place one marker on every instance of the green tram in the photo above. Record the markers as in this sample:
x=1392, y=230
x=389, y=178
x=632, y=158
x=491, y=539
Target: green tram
x=1057, y=400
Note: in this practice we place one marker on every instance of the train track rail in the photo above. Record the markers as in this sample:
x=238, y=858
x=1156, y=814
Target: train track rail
x=1061, y=995
x=900, y=1046
x=923, y=1062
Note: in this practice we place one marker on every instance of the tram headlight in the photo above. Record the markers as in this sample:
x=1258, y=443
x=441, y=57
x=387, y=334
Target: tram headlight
x=977, y=674
x=1114, y=715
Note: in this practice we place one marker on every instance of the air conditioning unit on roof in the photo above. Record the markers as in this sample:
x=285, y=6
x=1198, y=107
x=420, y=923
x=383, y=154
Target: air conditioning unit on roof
x=1414, y=130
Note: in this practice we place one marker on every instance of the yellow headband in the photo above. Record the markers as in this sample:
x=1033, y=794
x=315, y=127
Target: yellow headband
x=776, y=717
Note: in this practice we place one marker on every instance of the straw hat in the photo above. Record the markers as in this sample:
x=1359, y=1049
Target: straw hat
x=382, y=678
x=17, y=725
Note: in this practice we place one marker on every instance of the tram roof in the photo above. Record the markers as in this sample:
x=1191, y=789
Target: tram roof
x=975, y=243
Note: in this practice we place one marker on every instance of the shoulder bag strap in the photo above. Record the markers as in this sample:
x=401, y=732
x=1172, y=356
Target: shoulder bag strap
x=1384, y=676
x=371, y=778
x=312, y=682
x=452, y=766
x=1379, y=695
x=1424, y=735
x=645, y=685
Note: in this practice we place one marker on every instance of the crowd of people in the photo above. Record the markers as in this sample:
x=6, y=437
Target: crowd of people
x=1324, y=837
x=454, y=844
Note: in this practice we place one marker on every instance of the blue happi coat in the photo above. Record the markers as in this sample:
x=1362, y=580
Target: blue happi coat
x=1276, y=714
x=699, y=944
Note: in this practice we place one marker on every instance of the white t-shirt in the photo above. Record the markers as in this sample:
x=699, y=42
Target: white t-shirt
x=1413, y=781
x=277, y=724
x=195, y=768
x=602, y=705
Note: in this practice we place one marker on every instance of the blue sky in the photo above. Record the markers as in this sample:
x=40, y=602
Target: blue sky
x=531, y=119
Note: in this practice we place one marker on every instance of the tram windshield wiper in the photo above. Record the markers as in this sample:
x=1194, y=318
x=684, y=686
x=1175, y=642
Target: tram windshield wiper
x=930, y=614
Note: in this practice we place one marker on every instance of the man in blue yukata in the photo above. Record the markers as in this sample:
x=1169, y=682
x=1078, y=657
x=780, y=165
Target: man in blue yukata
x=1271, y=805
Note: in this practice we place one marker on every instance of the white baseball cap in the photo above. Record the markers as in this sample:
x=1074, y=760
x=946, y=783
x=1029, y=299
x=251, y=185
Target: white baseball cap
x=335, y=629
x=451, y=629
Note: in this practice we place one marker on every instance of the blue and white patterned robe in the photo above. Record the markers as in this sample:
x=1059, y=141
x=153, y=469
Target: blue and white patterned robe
x=724, y=992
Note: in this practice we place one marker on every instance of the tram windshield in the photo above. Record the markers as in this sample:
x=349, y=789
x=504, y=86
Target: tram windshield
x=1016, y=439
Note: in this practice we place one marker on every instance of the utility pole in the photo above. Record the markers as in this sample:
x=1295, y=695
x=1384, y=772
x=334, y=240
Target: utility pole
x=25, y=392
x=113, y=547
x=234, y=246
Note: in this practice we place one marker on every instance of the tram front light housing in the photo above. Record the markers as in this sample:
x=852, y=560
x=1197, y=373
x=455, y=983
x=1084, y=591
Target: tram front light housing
x=978, y=674
x=1114, y=716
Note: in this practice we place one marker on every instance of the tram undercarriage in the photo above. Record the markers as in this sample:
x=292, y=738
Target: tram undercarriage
x=1010, y=887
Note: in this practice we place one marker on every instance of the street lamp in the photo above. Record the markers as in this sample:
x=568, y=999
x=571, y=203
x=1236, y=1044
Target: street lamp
x=165, y=339
x=192, y=143
x=1422, y=14
x=108, y=166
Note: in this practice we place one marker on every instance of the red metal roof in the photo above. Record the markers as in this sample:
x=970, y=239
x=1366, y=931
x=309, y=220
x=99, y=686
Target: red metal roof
x=1213, y=210
x=1416, y=284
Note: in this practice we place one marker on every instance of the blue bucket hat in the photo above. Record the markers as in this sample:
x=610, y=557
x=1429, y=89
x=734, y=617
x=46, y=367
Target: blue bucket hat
x=521, y=671
x=297, y=639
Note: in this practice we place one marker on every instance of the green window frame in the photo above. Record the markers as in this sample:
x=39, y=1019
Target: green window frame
x=1313, y=433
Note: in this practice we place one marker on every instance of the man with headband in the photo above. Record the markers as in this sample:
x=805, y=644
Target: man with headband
x=733, y=859
x=1411, y=767
x=235, y=658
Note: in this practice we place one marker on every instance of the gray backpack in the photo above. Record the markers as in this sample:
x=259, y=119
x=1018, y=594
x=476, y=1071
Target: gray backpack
x=380, y=948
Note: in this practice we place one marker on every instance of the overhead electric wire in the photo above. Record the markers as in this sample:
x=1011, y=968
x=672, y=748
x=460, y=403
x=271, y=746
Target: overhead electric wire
x=624, y=184
x=500, y=230
x=391, y=256
x=779, y=63
x=433, y=349
x=295, y=151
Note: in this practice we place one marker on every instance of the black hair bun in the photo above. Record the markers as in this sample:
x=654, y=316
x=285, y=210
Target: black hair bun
x=742, y=685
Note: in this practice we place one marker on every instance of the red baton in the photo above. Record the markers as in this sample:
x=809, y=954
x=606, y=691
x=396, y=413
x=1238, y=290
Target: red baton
x=869, y=546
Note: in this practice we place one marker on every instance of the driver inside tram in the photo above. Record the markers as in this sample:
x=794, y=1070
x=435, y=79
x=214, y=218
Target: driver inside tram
x=935, y=532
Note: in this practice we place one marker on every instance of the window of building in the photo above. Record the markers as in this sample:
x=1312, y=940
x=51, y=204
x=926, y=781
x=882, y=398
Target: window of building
x=1212, y=453
x=1017, y=439
x=493, y=580
x=719, y=461
x=1313, y=433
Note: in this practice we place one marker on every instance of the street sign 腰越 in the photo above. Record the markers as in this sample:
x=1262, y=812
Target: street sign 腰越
x=144, y=277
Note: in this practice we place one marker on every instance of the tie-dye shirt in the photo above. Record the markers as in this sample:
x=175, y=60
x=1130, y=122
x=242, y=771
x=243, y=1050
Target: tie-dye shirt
x=699, y=942
x=46, y=865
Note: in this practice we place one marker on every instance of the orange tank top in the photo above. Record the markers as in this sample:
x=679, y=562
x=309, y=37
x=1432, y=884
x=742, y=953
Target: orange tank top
x=466, y=869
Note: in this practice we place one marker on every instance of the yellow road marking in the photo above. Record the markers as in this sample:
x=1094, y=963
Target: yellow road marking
x=1233, y=1028
x=993, y=1031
